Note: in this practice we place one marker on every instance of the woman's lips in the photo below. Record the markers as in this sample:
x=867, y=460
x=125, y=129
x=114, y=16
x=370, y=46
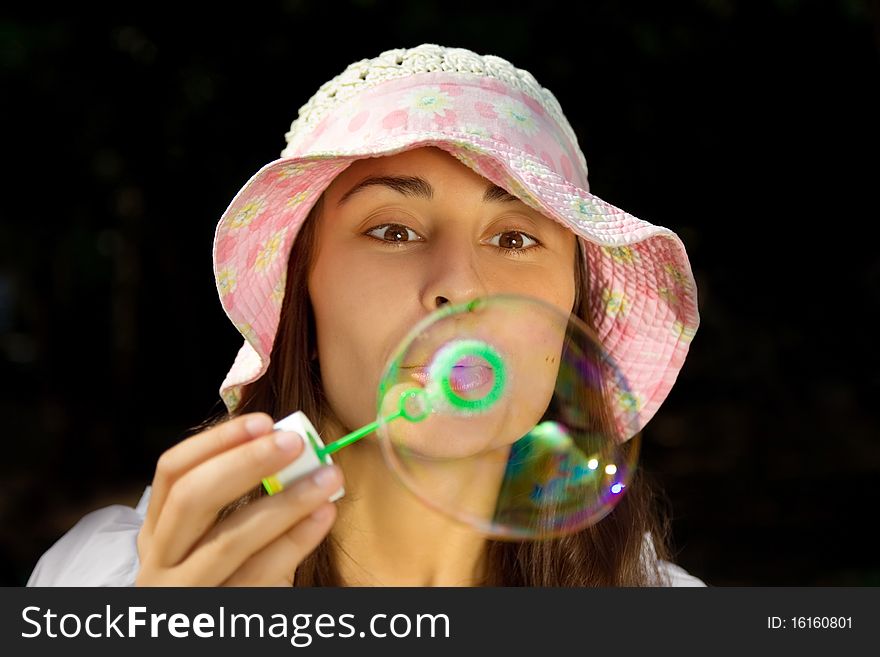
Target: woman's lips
x=461, y=379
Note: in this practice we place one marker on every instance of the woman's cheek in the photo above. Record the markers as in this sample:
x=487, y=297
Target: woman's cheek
x=552, y=286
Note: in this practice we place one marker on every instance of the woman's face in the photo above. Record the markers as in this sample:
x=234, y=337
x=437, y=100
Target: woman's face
x=389, y=254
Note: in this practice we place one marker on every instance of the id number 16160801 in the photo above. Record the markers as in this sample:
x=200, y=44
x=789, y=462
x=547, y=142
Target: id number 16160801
x=809, y=623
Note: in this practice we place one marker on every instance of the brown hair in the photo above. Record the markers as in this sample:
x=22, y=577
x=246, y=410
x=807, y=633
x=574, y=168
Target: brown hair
x=616, y=551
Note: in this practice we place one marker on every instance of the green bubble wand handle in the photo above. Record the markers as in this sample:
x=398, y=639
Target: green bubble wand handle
x=413, y=393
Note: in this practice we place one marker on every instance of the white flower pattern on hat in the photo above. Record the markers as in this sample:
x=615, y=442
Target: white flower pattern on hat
x=277, y=295
x=247, y=331
x=629, y=401
x=587, y=209
x=227, y=279
x=298, y=198
x=683, y=331
x=616, y=303
x=518, y=116
x=291, y=171
x=231, y=397
x=674, y=272
x=247, y=213
x=430, y=101
x=269, y=251
x=668, y=295
x=621, y=254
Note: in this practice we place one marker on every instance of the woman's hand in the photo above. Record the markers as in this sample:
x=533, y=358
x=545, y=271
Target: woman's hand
x=261, y=544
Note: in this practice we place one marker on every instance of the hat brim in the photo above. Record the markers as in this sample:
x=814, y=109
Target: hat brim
x=643, y=296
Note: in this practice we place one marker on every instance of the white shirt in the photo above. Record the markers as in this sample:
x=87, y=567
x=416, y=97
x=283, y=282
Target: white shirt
x=101, y=550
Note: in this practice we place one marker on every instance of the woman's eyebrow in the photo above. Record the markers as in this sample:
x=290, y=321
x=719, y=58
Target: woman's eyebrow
x=416, y=187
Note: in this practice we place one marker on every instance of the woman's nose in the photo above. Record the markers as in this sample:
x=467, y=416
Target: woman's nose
x=455, y=276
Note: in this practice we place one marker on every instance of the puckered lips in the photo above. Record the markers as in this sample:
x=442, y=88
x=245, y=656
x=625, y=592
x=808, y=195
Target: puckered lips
x=469, y=373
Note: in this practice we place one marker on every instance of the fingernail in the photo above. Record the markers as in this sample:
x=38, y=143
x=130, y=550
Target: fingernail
x=325, y=476
x=287, y=441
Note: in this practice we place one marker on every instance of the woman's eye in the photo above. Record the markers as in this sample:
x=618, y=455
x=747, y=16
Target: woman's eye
x=392, y=233
x=515, y=243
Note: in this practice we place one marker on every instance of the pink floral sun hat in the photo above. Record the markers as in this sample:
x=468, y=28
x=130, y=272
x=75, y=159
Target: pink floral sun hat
x=501, y=123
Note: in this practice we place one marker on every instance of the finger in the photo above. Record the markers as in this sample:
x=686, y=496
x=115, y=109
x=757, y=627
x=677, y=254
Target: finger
x=228, y=545
x=196, y=498
x=189, y=453
x=276, y=564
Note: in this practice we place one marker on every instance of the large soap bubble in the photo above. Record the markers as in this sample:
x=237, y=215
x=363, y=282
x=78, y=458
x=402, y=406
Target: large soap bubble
x=507, y=414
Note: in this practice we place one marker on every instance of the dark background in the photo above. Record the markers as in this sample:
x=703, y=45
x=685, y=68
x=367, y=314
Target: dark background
x=749, y=128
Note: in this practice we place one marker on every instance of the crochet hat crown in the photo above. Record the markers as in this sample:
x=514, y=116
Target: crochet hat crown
x=425, y=58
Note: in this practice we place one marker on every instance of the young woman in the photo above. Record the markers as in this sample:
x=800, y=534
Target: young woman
x=420, y=178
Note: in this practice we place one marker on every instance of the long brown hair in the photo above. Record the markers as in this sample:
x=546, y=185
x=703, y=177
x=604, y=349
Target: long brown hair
x=616, y=551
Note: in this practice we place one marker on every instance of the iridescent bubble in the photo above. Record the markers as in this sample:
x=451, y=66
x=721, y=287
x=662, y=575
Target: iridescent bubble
x=505, y=413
